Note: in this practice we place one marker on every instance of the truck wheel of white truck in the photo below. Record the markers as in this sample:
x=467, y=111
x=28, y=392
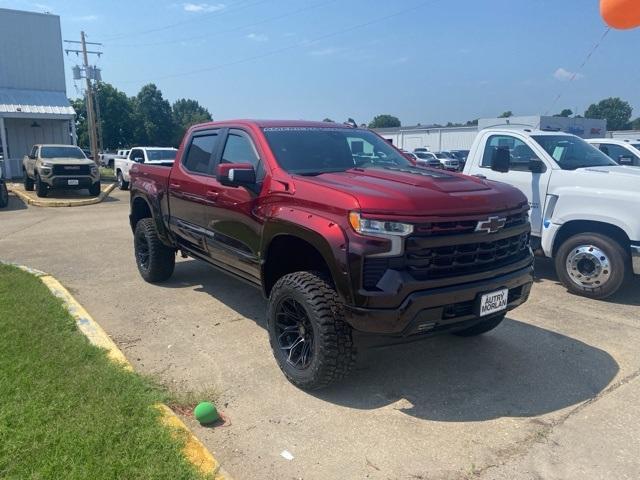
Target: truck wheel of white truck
x=122, y=185
x=592, y=265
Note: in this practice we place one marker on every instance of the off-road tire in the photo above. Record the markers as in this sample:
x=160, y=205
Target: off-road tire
x=28, y=182
x=619, y=263
x=482, y=327
x=161, y=259
x=4, y=195
x=122, y=185
x=42, y=189
x=95, y=189
x=334, y=353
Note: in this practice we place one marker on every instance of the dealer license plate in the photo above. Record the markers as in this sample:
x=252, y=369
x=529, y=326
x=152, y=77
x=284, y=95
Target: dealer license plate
x=73, y=182
x=494, y=302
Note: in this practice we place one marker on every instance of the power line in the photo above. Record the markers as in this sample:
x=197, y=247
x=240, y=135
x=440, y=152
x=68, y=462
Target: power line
x=575, y=74
x=231, y=30
x=205, y=16
x=290, y=47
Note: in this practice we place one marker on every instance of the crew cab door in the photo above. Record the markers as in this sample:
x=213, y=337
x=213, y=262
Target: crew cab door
x=31, y=161
x=523, y=158
x=233, y=231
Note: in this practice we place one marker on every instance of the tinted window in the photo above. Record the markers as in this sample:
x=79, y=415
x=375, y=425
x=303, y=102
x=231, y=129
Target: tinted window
x=616, y=151
x=316, y=150
x=239, y=149
x=136, y=153
x=520, y=153
x=160, y=155
x=198, y=158
x=571, y=152
x=61, y=152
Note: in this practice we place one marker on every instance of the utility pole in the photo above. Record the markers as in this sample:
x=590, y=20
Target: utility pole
x=90, y=73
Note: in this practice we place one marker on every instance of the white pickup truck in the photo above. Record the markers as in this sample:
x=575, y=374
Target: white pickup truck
x=149, y=155
x=584, y=207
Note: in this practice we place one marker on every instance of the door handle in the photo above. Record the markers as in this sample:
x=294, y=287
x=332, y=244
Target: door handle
x=480, y=176
x=212, y=193
x=174, y=185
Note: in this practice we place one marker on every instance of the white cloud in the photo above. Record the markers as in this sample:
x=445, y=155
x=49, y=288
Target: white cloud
x=257, y=37
x=565, y=75
x=202, y=7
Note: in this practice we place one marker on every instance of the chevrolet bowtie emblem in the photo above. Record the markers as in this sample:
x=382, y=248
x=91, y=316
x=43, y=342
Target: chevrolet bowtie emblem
x=491, y=224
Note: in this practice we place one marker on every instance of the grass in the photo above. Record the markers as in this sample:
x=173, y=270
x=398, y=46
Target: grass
x=66, y=411
x=107, y=174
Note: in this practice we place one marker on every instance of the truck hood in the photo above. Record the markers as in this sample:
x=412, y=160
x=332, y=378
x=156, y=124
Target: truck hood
x=68, y=161
x=420, y=192
x=617, y=171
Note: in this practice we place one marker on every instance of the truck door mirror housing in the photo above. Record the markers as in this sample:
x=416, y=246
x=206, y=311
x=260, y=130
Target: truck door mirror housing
x=138, y=159
x=537, y=166
x=625, y=160
x=236, y=174
x=501, y=160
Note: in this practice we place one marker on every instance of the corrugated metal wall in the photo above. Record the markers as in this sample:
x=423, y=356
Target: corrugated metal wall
x=31, y=54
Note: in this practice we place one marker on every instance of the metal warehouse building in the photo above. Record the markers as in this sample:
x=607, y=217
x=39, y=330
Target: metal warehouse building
x=461, y=138
x=33, y=101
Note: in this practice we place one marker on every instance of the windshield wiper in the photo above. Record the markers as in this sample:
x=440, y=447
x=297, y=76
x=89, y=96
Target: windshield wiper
x=315, y=174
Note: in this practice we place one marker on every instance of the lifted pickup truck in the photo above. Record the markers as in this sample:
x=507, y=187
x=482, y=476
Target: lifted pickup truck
x=150, y=155
x=584, y=207
x=342, y=233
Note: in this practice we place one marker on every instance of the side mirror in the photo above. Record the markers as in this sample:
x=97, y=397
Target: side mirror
x=537, y=166
x=236, y=174
x=138, y=159
x=32, y=157
x=625, y=160
x=501, y=160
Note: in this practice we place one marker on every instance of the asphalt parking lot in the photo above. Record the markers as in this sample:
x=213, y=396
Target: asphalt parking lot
x=552, y=393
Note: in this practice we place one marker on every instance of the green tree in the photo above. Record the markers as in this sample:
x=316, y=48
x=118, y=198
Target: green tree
x=187, y=112
x=82, y=132
x=327, y=119
x=506, y=114
x=384, y=121
x=472, y=123
x=567, y=112
x=635, y=125
x=614, y=110
x=153, y=118
x=116, y=117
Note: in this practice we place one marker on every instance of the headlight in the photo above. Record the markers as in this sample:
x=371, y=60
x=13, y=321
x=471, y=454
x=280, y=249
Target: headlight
x=46, y=164
x=94, y=170
x=367, y=226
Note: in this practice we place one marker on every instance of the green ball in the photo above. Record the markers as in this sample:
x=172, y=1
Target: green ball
x=206, y=412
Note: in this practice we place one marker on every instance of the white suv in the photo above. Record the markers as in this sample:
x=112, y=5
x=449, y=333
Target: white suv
x=149, y=155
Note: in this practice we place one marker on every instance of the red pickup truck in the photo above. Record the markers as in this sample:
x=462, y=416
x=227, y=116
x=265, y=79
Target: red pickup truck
x=347, y=238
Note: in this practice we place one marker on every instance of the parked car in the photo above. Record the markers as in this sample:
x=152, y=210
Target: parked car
x=151, y=155
x=448, y=161
x=59, y=166
x=340, y=246
x=4, y=193
x=621, y=151
x=461, y=155
x=107, y=159
x=421, y=150
x=584, y=207
x=428, y=159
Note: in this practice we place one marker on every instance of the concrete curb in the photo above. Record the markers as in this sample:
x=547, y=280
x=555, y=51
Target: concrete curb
x=194, y=450
x=41, y=202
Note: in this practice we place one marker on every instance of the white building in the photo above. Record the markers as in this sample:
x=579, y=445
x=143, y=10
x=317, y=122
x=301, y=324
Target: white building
x=461, y=138
x=33, y=101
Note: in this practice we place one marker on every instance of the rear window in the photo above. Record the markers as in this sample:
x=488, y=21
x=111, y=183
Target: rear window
x=62, y=152
x=160, y=155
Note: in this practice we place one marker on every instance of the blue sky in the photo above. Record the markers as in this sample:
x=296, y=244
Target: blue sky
x=423, y=61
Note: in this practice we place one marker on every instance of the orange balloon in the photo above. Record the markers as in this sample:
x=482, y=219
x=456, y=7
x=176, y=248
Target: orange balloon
x=621, y=14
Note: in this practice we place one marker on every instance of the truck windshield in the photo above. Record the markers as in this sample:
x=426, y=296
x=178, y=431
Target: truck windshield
x=61, y=152
x=424, y=156
x=160, y=155
x=317, y=150
x=571, y=152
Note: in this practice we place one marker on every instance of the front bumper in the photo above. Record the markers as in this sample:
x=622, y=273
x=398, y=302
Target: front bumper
x=63, y=182
x=440, y=309
x=635, y=258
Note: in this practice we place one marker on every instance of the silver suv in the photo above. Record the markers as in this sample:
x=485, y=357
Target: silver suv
x=59, y=166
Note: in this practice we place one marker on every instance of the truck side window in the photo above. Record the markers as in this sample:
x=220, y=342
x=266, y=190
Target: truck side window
x=519, y=151
x=198, y=159
x=239, y=149
x=615, y=151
